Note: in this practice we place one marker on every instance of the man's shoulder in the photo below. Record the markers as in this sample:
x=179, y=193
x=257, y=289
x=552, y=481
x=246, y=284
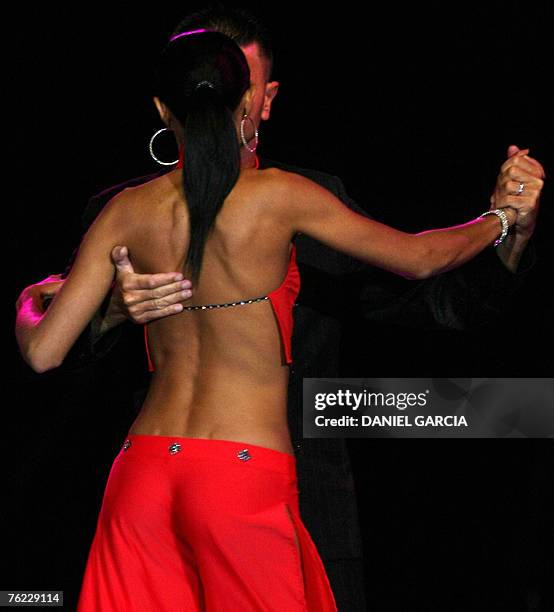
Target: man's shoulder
x=109, y=192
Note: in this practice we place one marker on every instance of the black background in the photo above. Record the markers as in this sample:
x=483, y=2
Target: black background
x=413, y=107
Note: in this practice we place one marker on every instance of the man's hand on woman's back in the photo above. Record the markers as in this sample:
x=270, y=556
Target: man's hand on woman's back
x=141, y=298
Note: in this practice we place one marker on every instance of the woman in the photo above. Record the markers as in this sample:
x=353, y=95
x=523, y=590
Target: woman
x=201, y=510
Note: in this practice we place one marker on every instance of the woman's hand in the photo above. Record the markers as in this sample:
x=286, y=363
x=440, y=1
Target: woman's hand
x=39, y=292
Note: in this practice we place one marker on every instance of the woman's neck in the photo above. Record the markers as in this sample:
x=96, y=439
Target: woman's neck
x=247, y=159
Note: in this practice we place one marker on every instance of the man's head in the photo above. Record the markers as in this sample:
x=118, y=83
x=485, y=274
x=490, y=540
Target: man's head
x=255, y=41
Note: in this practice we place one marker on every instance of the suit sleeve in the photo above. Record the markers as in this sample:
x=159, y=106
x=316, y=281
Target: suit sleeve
x=472, y=295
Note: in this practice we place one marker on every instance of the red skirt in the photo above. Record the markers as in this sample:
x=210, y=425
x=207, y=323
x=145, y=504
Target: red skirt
x=194, y=524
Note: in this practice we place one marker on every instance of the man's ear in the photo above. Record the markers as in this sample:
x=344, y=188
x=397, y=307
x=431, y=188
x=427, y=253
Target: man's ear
x=271, y=90
x=162, y=110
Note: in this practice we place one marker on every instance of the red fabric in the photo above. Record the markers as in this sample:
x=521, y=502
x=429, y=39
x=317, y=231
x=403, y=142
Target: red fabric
x=202, y=530
x=151, y=367
x=181, y=157
x=282, y=300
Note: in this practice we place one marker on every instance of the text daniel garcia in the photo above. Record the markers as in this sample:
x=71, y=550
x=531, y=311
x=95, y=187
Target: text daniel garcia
x=394, y=420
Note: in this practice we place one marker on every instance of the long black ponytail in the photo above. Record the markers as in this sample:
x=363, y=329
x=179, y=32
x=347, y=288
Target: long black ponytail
x=202, y=77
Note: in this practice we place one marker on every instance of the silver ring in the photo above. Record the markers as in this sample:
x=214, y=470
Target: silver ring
x=520, y=189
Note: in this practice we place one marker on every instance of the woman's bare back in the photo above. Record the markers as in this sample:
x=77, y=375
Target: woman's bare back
x=219, y=373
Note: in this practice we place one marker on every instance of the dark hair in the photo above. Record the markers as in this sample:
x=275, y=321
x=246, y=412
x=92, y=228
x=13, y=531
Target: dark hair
x=241, y=25
x=211, y=164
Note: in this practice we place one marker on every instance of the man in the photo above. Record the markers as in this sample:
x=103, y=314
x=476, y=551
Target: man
x=327, y=495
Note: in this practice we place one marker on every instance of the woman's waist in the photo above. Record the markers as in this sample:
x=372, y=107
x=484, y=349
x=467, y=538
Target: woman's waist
x=210, y=392
x=252, y=417
x=187, y=451
x=274, y=438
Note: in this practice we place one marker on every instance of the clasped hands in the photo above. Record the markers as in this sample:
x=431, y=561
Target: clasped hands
x=518, y=187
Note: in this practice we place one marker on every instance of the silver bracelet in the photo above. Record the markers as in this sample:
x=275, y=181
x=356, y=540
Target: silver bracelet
x=503, y=219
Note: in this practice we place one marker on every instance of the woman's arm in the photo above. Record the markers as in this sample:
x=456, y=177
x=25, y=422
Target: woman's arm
x=45, y=338
x=315, y=211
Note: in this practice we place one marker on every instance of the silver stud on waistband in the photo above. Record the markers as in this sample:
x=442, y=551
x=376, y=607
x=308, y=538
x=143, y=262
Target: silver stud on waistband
x=174, y=448
x=244, y=455
x=126, y=444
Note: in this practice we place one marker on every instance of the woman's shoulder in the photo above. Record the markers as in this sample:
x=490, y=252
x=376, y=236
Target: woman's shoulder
x=281, y=181
x=281, y=194
x=158, y=183
x=157, y=190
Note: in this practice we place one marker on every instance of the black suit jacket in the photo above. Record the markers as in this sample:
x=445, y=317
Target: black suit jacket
x=455, y=299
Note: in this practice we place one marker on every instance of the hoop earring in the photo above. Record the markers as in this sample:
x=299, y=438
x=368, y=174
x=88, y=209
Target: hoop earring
x=243, y=138
x=150, y=146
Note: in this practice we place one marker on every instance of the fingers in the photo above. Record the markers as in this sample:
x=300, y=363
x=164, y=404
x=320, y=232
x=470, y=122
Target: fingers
x=508, y=192
x=53, y=278
x=537, y=164
x=519, y=203
x=516, y=175
x=519, y=184
x=120, y=257
x=160, y=313
x=513, y=187
x=47, y=288
x=144, y=305
x=514, y=149
x=523, y=161
x=158, y=308
x=145, y=297
x=154, y=282
x=162, y=292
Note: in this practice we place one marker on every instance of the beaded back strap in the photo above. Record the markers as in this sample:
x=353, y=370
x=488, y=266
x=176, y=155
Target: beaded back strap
x=227, y=305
